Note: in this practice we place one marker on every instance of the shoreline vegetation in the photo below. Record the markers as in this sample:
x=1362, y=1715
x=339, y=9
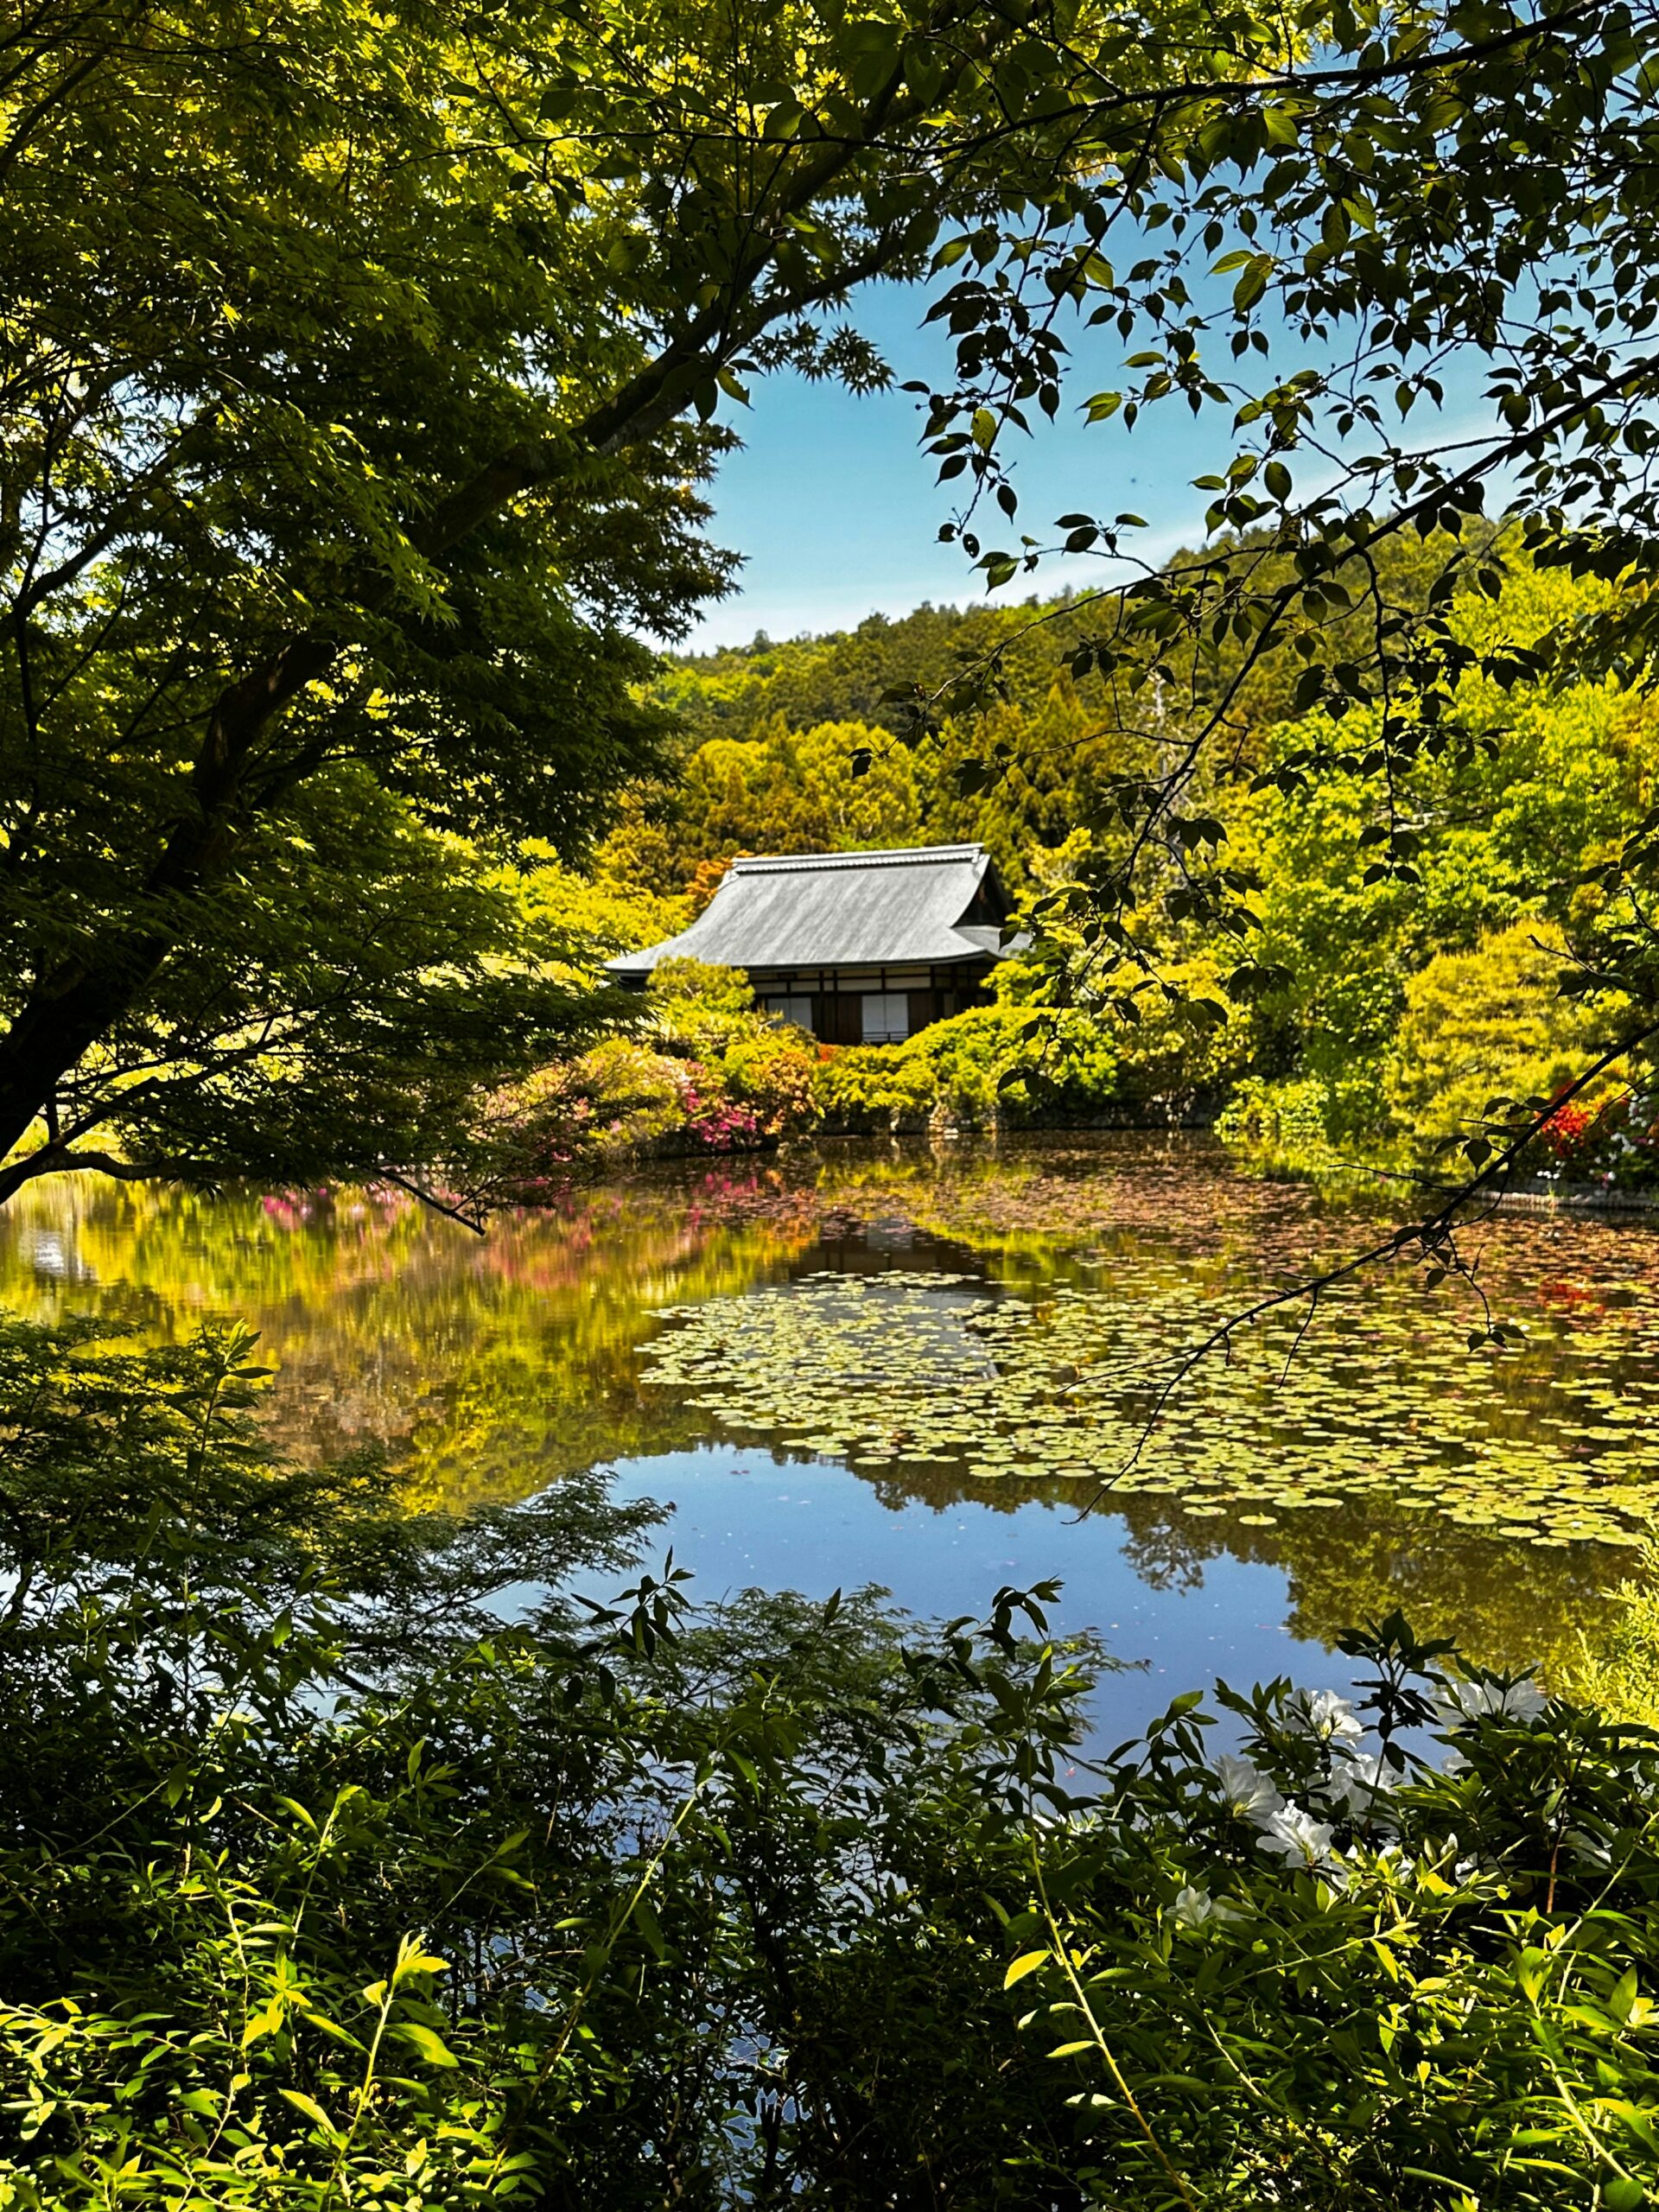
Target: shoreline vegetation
x=334, y=1885
x=1382, y=1023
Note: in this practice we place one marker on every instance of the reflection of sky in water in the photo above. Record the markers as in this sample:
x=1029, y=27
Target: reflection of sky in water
x=743, y=1521
x=488, y=1368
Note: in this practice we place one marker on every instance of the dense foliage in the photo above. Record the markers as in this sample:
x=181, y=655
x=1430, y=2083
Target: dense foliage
x=799, y=747
x=1377, y=1016
x=357, y=374
x=699, y=1068
x=326, y=1883
x=360, y=375
x=359, y=371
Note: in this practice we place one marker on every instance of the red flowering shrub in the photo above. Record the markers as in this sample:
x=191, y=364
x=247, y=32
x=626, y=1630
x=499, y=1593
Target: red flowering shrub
x=1612, y=1142
x=721, y=1125
x=1566, y=1129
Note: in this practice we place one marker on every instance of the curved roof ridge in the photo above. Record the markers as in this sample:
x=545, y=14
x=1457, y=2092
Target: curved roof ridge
x=877, y=857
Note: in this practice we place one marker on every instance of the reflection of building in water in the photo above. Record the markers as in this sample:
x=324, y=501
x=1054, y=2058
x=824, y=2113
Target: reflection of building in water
x=860, y=948
x=48, y=1254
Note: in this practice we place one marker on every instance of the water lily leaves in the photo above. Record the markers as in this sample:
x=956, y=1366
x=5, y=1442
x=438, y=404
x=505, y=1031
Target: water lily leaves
x=906, y=1369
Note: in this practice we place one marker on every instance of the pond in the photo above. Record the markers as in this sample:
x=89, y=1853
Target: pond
x=931, y=1368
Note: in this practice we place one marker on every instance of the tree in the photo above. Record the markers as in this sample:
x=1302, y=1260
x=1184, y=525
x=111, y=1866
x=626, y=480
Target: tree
x=1378, y=199
x=361, y=370
x=358, y=371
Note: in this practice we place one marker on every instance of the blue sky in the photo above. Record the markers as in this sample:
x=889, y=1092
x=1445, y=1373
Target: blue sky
x=834, y=506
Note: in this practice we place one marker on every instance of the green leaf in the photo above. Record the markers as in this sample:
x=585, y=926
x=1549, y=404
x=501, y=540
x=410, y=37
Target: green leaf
x=313, y=2112
x=1027, y=1962
x=1254, y=282
x=430, y=2045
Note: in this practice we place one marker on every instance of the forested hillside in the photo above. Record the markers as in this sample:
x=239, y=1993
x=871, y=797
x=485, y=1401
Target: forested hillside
x=774, y=734
x=1386, y=1006
x=810, y=744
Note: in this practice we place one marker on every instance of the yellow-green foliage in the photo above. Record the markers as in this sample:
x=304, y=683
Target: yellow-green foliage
x=780, y=790
x=596, y=916
x=1555, y=781
x=785, y=787
x=706, y=1014
x=953, y=1065
x=1005, y=1054
x=619, y=1099
x=1619, y=1669
x=1288, y=1120
x=1485, y=1025
x=1189, y=1045
x=698, y=1004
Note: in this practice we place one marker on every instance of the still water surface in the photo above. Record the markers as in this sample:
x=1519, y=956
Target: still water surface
x=928, y=1368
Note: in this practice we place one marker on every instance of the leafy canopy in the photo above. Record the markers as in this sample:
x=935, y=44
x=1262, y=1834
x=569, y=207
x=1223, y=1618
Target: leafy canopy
x=360, y=369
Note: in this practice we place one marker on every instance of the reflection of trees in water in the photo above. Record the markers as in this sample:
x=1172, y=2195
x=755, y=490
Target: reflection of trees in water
x=487, y=1366
x=1508, y=1606
x=491, y=1366
x=1162, y=1549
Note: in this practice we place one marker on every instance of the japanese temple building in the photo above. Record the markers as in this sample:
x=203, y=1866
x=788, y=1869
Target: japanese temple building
x=859, y=948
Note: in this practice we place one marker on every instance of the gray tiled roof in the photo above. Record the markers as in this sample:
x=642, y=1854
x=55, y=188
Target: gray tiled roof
x=836, y=910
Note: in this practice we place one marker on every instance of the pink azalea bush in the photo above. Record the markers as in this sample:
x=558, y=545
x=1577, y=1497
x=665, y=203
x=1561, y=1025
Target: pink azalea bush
x=702, y=1072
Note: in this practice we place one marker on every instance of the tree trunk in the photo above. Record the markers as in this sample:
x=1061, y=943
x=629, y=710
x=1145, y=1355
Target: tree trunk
x=53, y=1033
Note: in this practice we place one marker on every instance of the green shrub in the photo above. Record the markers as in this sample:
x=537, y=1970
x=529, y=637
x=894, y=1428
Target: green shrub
x=866, y=1087
x=750, y=1077
x=619, y=1100
x=321, y=1885
x=1287, y=1119
x=1363, y=1973
x=1618, y=1671
x=1188, y=1047
x=1004, y=1057
x=698, y=1008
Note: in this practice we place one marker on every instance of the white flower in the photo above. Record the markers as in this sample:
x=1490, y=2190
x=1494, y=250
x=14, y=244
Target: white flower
x=1245, y=1790
x=1357, y=1783
x=1461, y=1703
x=1324, y=1714
x=1196, y=1909
x=1299, y=1839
